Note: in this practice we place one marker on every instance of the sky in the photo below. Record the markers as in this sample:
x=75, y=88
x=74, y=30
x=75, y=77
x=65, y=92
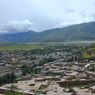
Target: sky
x=40, y=15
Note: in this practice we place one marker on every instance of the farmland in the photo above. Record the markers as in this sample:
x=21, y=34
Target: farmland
x=21, y=47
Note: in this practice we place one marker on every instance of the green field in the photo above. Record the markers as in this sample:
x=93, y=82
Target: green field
x=92, y=49
x=22, y=47
x=86, y=56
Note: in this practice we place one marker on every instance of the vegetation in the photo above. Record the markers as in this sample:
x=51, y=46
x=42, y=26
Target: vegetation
x=21, y=47
x=92, y=49
x=14, y=93
x=29, y=70
x=33, y=70
x=89, y=53
x=8, y=78
x=86, y=56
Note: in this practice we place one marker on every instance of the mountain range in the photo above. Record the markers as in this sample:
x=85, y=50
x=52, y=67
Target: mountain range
x=78, y=32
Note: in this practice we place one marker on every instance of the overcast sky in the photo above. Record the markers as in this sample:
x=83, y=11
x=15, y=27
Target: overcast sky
x=41, y=15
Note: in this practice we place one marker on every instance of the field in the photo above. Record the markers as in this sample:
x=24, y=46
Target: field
x=21, y=47
x=89, y=53
x=92, y=49
x=86, y=56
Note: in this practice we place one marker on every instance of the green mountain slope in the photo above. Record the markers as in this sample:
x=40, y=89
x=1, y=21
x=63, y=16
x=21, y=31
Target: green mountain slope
x=79, y=32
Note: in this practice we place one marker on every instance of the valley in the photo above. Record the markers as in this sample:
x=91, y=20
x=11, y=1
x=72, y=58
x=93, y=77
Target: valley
x=41, y=69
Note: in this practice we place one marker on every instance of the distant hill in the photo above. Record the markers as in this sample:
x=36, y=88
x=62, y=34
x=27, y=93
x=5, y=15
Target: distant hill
x=18, y=37
x=79, y=32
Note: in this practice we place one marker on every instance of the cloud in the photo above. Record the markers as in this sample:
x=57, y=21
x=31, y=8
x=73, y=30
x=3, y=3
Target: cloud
x=46, y=14
x=16, y=26
x=83, y=19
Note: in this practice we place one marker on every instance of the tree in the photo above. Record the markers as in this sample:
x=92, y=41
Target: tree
x=24, y=69
x=0, y=80
x=12, y=77
x=8, y=78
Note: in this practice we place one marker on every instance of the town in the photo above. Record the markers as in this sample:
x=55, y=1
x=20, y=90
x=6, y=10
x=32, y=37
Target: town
x=55, y=69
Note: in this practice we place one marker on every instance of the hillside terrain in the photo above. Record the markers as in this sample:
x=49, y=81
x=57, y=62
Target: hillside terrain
x=79, y=32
